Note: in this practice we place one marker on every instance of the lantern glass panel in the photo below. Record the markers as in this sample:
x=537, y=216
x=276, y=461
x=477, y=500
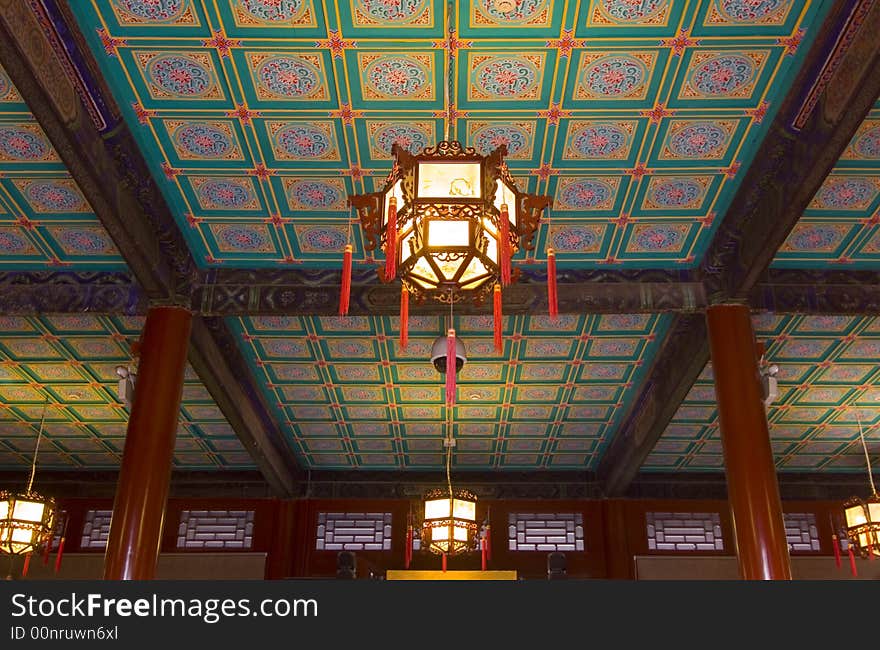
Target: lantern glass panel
x=504, y=195
x=874, y=511
x=28, y=511
x=440, y=534
x=446, y=234
x=4, y=509
x=460, y=534
x=475, y=269
x=855, y=516
x=448, y=180
x=437, y=509
x=464, y=510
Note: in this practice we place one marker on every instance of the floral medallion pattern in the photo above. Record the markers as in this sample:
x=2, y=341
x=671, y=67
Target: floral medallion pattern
x=288, y=77
x=584, y=194
x=274, y=11
x=407, y=137
x=396, y=76
x=632, y=11
x=652, y=238
x=316, y=195
x=321, y=239
x=517, y=139
x=153, y=11
x=846, y=193
x=13, y=243
x=697, y=140
x=499, y=77
x=520, y=12
x=25, y=143
x=576, y=238
x=178, y=76
x=203, y=140
x=723, y=75
x=598, y=141
x=814, y=238
x=234, y=238
x=224, y=193
x=393, y=12
x=53, y=196
x=303, y=141
x=83, y=241
x=867, y=144
x=614, y=76
x=679, y=193
x=750, y=11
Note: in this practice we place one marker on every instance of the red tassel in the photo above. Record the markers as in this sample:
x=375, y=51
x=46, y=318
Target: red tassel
x=25, y=565
x=504, y=252
x=345, y=292
x=409, y=545
x=496, y=314
x=404, y=318
x=444, y=563
x=489, y=542
x=552, y=300
x=58, y=555
x=391, y=241
x=483, y=554
x=836, y=550
x=450, y=368
x=852, y=561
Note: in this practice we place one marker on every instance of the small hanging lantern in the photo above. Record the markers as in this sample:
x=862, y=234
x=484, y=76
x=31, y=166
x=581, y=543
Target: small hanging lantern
x=863, y=525
x=27, y=521
x=450, y=524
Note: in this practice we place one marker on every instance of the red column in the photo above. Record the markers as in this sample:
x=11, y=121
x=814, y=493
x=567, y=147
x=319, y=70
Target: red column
x=752, y=489
x=142, y=491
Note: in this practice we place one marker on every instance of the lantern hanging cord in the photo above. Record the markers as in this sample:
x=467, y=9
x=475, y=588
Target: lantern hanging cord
x=450, y=58
x=867, y=456
x=37, y=447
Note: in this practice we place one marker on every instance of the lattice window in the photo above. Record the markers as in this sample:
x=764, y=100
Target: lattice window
x=214, y=529
x=354, y=531
x=546, y=531
x=96, y=529
x=684, y=531
x=801, y=532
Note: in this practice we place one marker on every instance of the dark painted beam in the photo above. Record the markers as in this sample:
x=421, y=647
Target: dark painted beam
x=41, y=292
x=215, y=357
x=359, y=484
x=818, y=292
x=52, y=68
x=835, y=89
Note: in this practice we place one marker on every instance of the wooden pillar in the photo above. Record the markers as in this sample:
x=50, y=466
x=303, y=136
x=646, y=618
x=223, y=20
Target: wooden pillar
x=284, y=544
x=145, y=474
x=752, y=489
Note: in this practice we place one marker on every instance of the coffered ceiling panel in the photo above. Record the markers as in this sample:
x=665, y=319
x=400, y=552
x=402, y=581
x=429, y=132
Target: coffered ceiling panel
x=259, y=117
x=829, y=386
x=348, y=396
x=65, y=366
x=44, y=220
x=840, y=228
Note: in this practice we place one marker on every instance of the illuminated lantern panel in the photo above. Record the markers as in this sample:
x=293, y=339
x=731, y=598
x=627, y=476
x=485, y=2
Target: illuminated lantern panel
x=27, y=521
x=863, y=524
x=450, y=522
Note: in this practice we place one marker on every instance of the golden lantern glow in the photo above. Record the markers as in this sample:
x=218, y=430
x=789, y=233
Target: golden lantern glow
x=449, y=219
x=863, y=524
x=27, y=521
x=450, y=521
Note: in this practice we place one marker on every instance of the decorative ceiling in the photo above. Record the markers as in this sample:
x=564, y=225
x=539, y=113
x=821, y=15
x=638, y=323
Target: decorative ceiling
x=840, y=226
x=829, y=381
x=259, y=117
x=349, y=397
x=69, y=364
x=44, y=220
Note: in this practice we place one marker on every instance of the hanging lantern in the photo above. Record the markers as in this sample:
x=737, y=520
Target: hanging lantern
x=863, y=525
x=439, y=220
x=27, y=521
x=450, y=524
